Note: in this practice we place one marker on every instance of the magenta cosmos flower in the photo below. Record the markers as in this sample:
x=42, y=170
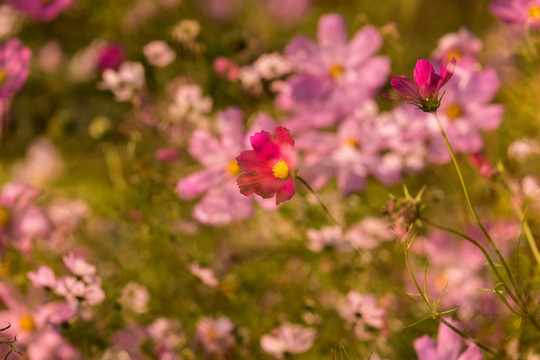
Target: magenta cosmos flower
x=41, y=9
x=269, y=167
x=14, y=67
x=424, y=91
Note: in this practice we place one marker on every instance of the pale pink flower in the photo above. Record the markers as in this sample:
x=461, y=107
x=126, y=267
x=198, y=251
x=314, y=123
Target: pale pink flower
x=186, y=31
x=370, y=232
x=462, y=46
x=43, y=277
x=449, y=346
x=50, y=344
x=51, y=57
x=10, y=21
x=168, y=338
x=288, y=11
x=206, y=275
x=39, y=9
x=520, y=12
x=523, y=148
x=288, y=339
x=327, y=236
x=42, y=164
x=189, y=104
x=226, y=68
x=215, y=335
x=135, y=297
x=14, y=67
x=159, y=53
x=78, y=265
x=272, y=66
x=125, y=83
x=362, y=313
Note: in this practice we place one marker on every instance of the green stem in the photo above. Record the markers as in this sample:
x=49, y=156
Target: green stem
x=471, y=208
x=484, y=252
x=493, y=353
x=379, y=272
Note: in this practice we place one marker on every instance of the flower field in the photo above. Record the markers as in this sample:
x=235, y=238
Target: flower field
x=270, y=179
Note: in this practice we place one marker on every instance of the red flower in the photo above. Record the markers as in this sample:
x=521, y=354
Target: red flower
x=269, y=167
x=424, y=91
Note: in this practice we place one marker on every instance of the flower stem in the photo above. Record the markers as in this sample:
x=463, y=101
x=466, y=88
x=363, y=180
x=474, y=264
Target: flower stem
x=471, y=208
x=360, y=252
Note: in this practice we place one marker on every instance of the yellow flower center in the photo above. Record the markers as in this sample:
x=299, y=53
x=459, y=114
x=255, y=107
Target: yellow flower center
x=2, y=76
x=454, y=53
x=336, y=71
x=534, y=12
x=454, y=111
x=281, y=170
x=5, y=217
x=27, y=323
x=233, y=169
x=350, y=142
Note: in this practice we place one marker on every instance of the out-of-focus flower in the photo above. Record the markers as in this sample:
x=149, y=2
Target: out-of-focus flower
x=39, y=9
x=110, y=56
x=521, y=149
x=50, y=57
x=226, y=68
x=51, y=345
x=521, y=12
x=288, y=339
x=9, y=21
x=223, y=202
x=168, y=338
x=215, y=335
x=483, y=164
x=288, y=11
x=206, y=275
x=189, y=104
x=159, y=53
x=462, y=46
x=168, y=154
x=124, y=83
x=43, y=277
x=449, y=346
x=272, y=66
x=41, y=165
x=220, y=9
x=424, y=91
x=465, y=112
x=186, y=31
x=78, y=265
x=268, y=169
x=135, y=297
x=334, y=76
x=363, y=314
x=327, y=236
x=20, y=220
x=14, y=67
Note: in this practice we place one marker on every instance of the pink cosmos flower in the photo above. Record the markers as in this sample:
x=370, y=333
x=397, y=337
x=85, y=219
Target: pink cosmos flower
x=334, y=75
x=522, y=12
x=269, y=167
x=363, y=314
x=448, y=347
x=462, y=45
x=110, y=56
x=288, y=339
x=216, y=336
x=222, y=203
x=39, y=9
x=14, y=67
x=424, y=91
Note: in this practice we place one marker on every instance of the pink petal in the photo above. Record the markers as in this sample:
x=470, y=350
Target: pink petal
x=422, y=71
x=365, y=43
x=231, y=128
x=332, y=31
x=425, y=348
x=286, y=191
x=206, y=149
x=195, y=184
x=264, y=145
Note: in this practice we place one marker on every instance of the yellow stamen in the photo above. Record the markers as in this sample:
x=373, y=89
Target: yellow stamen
x=281, y=170
x=5, y=217
x=2, y=76
x=454, y=111
x=534, y=12
x=26, y=323
x=336, y=71
x=455, y=53
x=351, y=143
x=233, y=169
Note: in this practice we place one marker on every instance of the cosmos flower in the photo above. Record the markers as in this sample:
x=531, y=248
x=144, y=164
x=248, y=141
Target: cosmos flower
x=447, y=347
x=523, y=12
x=269, y=167
x=424, y=91
x=14, y=67
x=40, y=9
x=288, y=339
